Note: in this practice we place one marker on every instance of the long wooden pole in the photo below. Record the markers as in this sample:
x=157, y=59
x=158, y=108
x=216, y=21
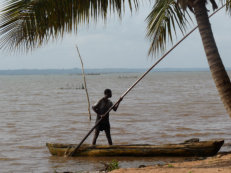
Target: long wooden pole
x=129, y=89
x=85, y=84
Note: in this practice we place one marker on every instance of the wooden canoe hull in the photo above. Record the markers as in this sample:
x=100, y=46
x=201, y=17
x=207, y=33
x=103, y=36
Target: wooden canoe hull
x=204, y=148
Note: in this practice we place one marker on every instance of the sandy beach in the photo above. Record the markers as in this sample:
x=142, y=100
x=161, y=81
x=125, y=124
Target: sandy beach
x=220, y=163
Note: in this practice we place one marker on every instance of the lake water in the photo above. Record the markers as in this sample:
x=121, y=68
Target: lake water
x=165, y=107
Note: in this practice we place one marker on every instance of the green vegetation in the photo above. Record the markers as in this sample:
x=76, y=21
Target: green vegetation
x=170, y=166
x=111, y=166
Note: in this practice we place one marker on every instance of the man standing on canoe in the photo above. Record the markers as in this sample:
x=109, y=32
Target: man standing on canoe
x=100, y=108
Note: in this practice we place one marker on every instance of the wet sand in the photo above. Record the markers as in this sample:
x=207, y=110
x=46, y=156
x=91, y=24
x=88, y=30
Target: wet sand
x=220, y=163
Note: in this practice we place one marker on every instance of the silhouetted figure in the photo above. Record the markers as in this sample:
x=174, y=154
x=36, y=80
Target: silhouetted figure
x=100, y=108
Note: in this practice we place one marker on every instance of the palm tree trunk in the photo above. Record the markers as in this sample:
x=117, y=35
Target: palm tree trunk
x=216, y=66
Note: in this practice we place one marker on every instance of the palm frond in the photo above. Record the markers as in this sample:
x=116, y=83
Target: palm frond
x=183, y=3
x=228, y=5
x=27, y=24
x=162, y=22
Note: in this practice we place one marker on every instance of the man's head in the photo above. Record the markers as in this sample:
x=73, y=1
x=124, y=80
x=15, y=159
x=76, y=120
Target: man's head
x=108, y=93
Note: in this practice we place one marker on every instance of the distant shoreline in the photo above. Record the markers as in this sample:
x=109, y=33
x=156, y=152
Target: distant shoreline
x=95, y=71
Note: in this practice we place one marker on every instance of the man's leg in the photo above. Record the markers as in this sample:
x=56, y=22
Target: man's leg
x=95, y=136
x=108, y=135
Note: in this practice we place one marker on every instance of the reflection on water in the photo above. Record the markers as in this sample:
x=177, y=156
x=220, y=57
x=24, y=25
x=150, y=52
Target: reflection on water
x=162, y=108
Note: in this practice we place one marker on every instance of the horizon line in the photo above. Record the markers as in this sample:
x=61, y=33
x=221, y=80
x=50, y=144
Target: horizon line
x=108, y=68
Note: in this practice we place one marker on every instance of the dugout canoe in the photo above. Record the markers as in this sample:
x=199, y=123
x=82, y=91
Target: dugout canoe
x=203, y=148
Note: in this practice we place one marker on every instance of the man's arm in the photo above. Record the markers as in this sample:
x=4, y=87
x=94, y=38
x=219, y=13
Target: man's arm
x=117, y=105
x=95, y=107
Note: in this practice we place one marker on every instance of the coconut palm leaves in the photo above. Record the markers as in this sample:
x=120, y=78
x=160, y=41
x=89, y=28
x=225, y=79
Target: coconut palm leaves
x=228, y=5
x=26, y=24
x=166, y=15
x=162, y=21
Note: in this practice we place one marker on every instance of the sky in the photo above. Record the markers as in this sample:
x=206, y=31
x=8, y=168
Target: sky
x=120, y=44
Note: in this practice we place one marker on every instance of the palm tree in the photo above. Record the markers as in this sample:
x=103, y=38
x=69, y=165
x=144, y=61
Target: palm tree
x=27, y=24
x=161, y=19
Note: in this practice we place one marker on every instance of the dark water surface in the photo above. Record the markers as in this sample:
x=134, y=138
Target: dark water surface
x=166, y=107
